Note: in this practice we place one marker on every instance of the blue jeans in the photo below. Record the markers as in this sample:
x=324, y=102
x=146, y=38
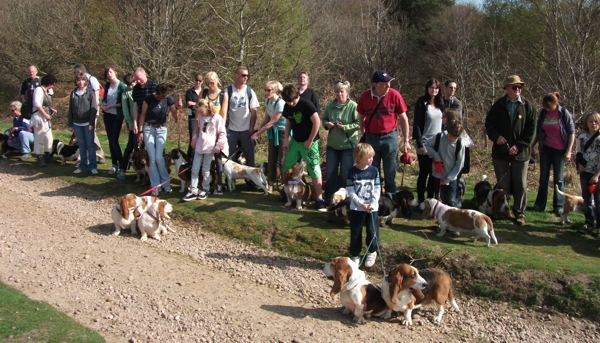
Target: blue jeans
x=87, y=148
x=590, y=211
x=338, y=164
x=386, y=151
x=551, y=158
x=22, y=142
x=155, y=139
x=113, y=131
x=448, y=192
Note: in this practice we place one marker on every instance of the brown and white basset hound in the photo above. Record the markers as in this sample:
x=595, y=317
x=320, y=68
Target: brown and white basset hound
x=339, y=206
x=357, y=294
x=234, y=171
x=141, y=164
x=406, y=288
x=124, y=211
x=457, y=220
x=491, y=201
x=152, y=221
x=572, y=203
x=295, y=186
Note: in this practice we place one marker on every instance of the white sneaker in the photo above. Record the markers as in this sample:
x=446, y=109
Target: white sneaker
x=370, y=260
x=112, y=170
x=202, y=195
x=77, y=171
x=94, y=171
x=25, y=157
x=269, y=189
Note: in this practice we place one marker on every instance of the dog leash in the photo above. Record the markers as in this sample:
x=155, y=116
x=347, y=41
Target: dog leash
x=378, y=249
x=160, y=184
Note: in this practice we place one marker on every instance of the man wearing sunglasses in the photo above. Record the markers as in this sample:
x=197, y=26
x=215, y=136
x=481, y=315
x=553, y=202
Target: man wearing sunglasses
x=510, y=124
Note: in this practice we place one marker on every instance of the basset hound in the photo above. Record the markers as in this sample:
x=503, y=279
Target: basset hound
x=459, y=220
x=357, y=294
x=406, y=288
x=152, y=221
x=491, y=201
x=572, y=203
x=339, y=206
x=234, y=171
x=295, y=186
x=124, y=211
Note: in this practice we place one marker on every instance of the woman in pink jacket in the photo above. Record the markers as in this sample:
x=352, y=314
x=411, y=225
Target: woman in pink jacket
x=208, y=139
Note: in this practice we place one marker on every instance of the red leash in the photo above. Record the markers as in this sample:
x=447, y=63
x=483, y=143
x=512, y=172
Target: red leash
x=156, y=187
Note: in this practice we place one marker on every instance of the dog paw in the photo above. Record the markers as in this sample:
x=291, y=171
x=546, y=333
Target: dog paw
x=144, y=238
x=288, y=204
x=116, y=233
x=359, y=320
x=440, y=234
x=157, y=237
x=407, y=322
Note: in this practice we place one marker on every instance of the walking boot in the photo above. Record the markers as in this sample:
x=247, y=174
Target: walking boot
x=47, y=157
x=40, y=160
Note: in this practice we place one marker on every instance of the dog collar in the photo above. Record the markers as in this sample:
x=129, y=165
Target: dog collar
x=436, y=213
x=296, y=182
x=154, y=217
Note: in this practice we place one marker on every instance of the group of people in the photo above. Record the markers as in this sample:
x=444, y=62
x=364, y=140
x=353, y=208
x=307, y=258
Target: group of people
x=225, y=123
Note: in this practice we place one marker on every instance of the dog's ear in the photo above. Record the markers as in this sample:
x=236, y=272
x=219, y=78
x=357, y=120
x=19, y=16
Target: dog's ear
x=395, y=282
x=340, y=277
x=161, y=208
x=124, y=208
x=417, y=294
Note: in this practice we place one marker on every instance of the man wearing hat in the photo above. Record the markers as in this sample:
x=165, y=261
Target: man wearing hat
x=381, y=109
x=510, y=124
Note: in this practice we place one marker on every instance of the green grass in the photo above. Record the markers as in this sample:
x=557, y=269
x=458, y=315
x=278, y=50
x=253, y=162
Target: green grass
x=550, y=261
x=22, y=319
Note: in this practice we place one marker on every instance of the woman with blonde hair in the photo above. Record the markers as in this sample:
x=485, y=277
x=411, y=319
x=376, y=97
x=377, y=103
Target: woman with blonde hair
x=274, y=124
x=214, y=95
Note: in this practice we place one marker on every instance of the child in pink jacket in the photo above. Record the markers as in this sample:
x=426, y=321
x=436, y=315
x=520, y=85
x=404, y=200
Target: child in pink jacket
x=208, y=138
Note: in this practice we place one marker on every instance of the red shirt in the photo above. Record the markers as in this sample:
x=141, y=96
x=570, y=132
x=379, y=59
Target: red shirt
x=551, y=127
x=386, y=118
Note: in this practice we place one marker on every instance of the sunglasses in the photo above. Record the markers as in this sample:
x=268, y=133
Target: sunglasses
x=244, y=75
x=199, y=81
x=204, y=127
x=514, y=88
x=344, y=82
x=268, y=90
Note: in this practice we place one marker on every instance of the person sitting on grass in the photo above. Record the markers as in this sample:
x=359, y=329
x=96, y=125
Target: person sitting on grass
x=21, y=136
x=209, y=138
x=364, y=189
x=448, y=154
x=303, y=120
x=588, y=168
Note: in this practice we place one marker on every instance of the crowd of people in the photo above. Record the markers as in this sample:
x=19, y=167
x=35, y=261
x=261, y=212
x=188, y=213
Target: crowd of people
x=225, y=123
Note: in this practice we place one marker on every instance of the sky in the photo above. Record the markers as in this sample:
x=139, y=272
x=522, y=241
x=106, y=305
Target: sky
x=475, y=2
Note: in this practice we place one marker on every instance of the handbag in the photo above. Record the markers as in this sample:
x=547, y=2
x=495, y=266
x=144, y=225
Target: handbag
x=364, y=136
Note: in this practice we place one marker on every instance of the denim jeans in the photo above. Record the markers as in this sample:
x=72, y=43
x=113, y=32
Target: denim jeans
x=201, y=164
x=22, y=142
x=358, y=219
x=424, y=181
x=155, y=139
x=448, y=192
x=551, y=158
x=338, y=164
x=590, y=210
x=113, y=131
x=386, y=151
x=87, y=148
x=131, y=144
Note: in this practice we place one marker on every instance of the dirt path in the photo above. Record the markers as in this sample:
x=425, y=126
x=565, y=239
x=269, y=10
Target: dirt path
x=55, y=246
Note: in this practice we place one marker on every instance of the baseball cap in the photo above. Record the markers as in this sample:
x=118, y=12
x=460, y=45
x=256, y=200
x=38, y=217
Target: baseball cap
x=381, y=76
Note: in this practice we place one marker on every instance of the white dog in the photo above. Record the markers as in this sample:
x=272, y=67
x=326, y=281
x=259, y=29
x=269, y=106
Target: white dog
x=152, y=220
x=123, y=212
x=234, y=171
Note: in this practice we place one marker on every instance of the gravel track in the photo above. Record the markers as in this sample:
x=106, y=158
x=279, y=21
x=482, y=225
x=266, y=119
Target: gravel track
x=194, y=286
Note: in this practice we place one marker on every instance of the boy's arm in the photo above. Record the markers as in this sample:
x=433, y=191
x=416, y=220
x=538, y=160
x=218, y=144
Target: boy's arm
x=460, y=161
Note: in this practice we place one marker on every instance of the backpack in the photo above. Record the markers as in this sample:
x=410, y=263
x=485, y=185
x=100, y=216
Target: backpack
x=204, y=95
x=248, y=91
x=467, y=163
x=27, y=107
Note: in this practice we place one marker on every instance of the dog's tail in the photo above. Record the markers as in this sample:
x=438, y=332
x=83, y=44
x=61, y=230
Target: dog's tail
x=558, y=190
x=490, y=225
x=345, y=202
x=483, y=177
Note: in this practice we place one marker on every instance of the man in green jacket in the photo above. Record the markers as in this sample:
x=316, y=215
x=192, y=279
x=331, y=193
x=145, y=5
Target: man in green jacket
x=510, y=124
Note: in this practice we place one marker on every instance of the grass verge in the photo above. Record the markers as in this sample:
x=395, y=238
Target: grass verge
x=23, y=319
x=538, y=264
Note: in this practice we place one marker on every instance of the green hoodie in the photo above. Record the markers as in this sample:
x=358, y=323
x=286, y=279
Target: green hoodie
x=347, y=114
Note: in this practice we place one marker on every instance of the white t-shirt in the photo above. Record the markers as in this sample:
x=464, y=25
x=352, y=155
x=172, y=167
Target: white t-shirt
x=239, y=112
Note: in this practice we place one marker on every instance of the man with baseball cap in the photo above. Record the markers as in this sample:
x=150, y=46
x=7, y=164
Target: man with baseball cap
x=510, y=124
x=381, y=109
